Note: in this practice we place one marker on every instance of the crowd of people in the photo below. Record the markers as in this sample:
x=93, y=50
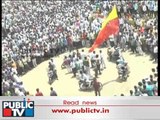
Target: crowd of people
x=81, y=61
x=34, y=31
x=148, y=86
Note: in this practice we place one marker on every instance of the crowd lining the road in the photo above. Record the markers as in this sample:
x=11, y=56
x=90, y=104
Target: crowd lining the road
x=35, y=31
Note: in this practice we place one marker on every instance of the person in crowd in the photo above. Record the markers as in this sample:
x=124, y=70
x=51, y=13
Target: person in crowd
x=96, y=86
x=93, y=57
x=155, y=88
x=53, y=92
x=122, y=94
x=97, y=66
x=136, y=91
x=86, y=66
x=34, y=61
x=83, y=54
x=38, y=93
x=102, y=61
x=140, y=87
x=73, y=66
x=26, y=66
x=78, y=66
x=20, y=67
x=150, y=89
x=28, y=94
x=155, y=53
x=131, y=93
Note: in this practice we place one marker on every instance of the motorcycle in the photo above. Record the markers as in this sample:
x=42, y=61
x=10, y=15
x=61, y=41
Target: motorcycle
x=113, y=56
x=87, y=85
x=123, y=76
x=52, y=76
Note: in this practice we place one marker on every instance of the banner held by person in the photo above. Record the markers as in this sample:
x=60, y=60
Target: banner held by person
x=110, y=26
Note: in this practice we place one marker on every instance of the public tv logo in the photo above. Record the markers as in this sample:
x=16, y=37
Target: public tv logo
x=18, y=108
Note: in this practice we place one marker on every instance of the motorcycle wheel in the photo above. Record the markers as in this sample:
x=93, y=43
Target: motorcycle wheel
x=125, y=78
x=62, y=66
x=120, y=77
x=83, y=87
x=50, y=82
x=79, y=83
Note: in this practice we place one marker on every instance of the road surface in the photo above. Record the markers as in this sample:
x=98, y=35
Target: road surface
x=140, y=67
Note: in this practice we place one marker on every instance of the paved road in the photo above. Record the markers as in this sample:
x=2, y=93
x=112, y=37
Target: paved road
x=140, y=67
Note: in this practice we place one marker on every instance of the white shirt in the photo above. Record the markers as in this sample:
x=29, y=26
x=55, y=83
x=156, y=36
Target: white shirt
x=124, y=8
x=84, y=77
x=145, y=94
x=21, y=94
x=121, y=21
x=155, y=8
x=17, y=91
x=119, y=8
x=14, y=70
x=155, y=49
x=144, y=8
x=83, y=55
x=73, y=64
x=93, y=56
x=16, y=78
x=81, y=62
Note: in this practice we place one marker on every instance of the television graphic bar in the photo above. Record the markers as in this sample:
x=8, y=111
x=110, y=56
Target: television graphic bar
x=92, y=108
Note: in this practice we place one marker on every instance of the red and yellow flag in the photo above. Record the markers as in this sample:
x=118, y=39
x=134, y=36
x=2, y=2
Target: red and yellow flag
x=110, y=26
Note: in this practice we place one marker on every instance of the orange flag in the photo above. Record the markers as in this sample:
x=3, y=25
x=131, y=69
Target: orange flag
x=110, y=26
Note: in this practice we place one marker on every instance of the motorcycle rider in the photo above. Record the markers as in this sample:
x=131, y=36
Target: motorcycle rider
x=127, y=68
x=52, y=68
x=114, y=53
x=123, y=69
x=50, y=75
x=96, y=66
x=84, y=78
x=121, y=60
x=109, y=52
x=52, y=61
x=117, y=53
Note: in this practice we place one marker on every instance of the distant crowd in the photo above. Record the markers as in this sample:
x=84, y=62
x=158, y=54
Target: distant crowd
x=147, y=86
